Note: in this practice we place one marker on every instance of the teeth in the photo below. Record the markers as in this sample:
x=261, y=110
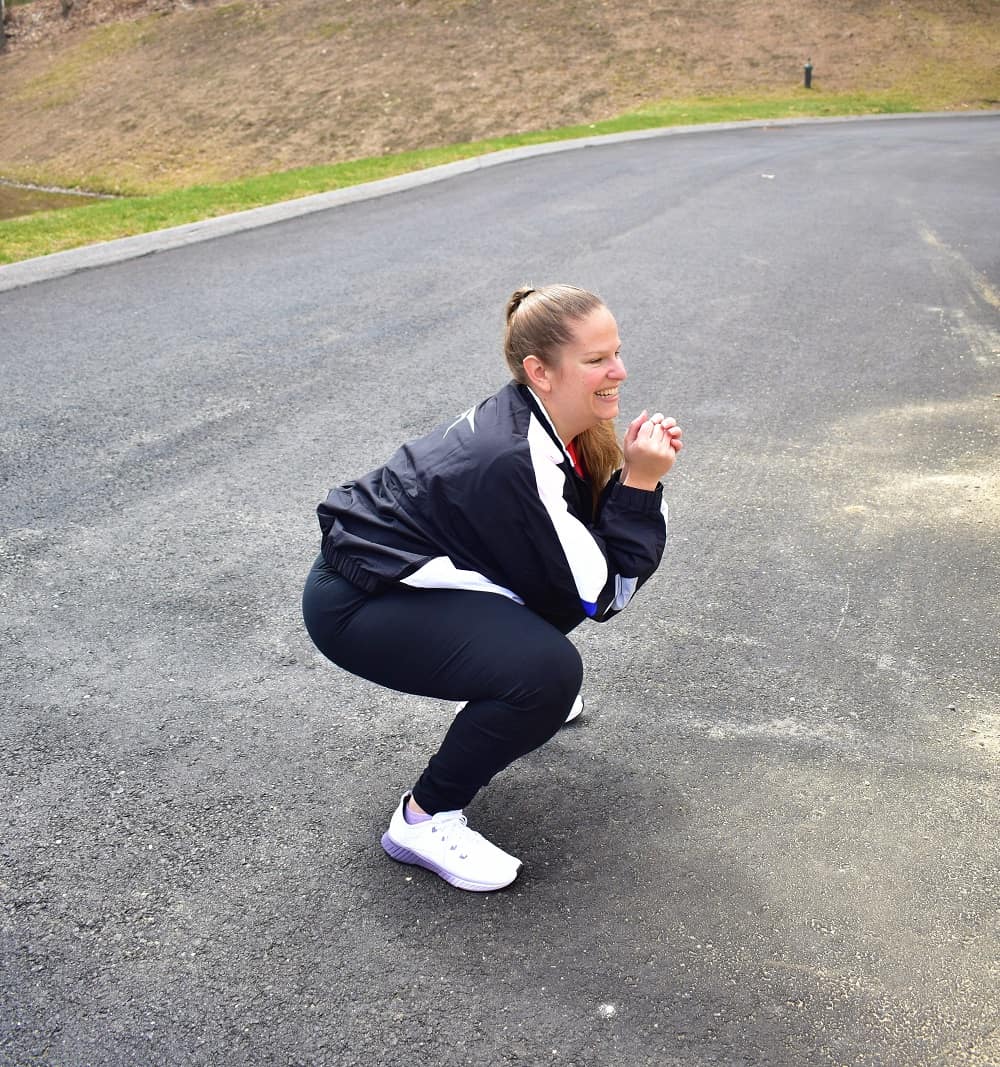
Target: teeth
x=609, y=392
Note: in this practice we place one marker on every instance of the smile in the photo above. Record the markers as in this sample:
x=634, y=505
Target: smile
x=607, y=394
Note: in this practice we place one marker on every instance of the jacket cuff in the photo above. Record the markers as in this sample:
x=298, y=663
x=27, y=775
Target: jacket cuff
x=641, y=500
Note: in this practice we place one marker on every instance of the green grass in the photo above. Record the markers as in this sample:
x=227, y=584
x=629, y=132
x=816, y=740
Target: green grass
x=55, y=231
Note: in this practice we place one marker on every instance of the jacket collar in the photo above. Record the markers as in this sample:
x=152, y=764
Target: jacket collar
x=538, y=407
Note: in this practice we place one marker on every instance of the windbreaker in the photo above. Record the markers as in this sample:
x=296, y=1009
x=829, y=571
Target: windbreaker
x=491, y=502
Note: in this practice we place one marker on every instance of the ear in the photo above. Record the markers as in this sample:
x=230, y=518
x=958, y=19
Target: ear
x=537, y=374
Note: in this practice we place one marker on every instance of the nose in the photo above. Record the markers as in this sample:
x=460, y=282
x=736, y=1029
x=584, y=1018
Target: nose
x=617, y=370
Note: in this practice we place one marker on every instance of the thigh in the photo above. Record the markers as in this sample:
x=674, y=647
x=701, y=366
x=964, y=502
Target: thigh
x=452, y=644
x=328, y=602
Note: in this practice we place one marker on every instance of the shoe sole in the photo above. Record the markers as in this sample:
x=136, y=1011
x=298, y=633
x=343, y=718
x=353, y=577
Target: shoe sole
x=403, y=855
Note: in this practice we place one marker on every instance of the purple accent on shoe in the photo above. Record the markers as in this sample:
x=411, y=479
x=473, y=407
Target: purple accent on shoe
x=411, y=816
x=404, y=855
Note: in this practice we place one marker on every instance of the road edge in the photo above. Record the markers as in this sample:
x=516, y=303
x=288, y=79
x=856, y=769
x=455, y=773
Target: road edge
x=105, y=253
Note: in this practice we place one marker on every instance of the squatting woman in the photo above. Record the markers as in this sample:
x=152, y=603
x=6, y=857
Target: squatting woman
x=456, y=570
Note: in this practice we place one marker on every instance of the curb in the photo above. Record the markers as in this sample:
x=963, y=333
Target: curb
x=61, y=264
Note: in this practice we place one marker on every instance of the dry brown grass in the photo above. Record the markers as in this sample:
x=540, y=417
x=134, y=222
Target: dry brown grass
x=157, y=94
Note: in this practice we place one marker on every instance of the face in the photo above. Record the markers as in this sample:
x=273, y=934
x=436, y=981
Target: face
x=581, y=389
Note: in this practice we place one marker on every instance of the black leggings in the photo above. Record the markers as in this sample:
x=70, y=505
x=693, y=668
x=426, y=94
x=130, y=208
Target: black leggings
x=519, y=674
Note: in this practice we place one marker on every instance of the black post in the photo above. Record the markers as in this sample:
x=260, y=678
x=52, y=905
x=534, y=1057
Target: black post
x=809, y=73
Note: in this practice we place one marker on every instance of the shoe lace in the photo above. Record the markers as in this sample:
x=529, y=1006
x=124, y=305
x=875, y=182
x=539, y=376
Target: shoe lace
x=453, y=833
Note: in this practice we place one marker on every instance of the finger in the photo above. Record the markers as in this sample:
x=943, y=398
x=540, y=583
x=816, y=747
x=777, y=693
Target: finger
x=658, y=417
x=633, y=427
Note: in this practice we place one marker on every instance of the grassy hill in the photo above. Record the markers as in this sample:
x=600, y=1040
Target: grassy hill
x=145, y=96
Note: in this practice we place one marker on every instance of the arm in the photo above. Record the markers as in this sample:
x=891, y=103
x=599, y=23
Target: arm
x=650, y=447
x=632, y=524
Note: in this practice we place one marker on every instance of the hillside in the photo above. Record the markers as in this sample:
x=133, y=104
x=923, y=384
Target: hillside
x=152, y=94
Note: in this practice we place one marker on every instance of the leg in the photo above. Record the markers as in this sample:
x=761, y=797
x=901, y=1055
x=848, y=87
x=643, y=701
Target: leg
x=518, y=673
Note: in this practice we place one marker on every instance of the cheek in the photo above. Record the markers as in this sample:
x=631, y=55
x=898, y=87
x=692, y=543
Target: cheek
x=595, y=379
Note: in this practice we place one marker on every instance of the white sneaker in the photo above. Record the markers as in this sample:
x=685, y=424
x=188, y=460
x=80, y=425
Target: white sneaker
x=574, y=712
x=445, y=845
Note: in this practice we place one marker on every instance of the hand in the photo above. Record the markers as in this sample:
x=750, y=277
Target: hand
x=651, y=447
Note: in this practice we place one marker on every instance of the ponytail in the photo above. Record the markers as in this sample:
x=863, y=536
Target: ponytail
x=517, y=298
x=600, y=454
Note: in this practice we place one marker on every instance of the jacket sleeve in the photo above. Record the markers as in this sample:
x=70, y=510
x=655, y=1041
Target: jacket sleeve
x=564, y=568
x=632, y=524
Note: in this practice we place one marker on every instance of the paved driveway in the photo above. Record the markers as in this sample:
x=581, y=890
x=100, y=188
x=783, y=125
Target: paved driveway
x=773, y=840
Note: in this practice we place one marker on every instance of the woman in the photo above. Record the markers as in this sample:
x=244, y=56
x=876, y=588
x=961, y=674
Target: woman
x=457, y=568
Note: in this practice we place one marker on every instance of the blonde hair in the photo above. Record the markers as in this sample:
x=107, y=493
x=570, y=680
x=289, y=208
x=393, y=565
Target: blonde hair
x=539, y=321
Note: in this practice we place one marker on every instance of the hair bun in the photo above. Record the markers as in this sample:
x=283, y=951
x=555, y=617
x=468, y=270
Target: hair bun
x=517, y=297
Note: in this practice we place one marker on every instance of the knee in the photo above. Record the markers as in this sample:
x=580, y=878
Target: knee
x=550, y=680
x=567, y=672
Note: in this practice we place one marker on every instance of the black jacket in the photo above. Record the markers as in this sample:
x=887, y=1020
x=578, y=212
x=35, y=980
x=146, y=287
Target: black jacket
x=491, y=502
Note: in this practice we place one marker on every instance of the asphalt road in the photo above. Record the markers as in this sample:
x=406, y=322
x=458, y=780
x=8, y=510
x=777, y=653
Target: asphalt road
x=773, y=841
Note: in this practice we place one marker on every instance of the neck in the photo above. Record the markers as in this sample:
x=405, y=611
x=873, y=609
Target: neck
x=565, y=438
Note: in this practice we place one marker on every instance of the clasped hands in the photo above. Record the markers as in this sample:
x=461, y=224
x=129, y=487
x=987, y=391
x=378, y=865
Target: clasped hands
x=651, y=446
